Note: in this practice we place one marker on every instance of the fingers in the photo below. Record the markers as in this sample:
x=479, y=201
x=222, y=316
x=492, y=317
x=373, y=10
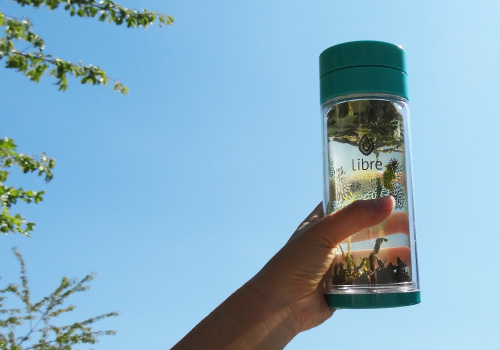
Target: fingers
x=396, y=223
x=315, y=215
x=336, y=227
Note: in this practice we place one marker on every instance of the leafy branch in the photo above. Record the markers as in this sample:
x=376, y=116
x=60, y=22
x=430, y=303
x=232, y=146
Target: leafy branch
x=34, y=64
x=10, y=195
x=106, y=9
x=42, y=333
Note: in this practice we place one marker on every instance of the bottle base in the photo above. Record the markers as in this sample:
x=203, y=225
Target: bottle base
x=372, y=300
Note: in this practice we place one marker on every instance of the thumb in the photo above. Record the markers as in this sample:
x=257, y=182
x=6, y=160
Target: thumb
x=334, y=228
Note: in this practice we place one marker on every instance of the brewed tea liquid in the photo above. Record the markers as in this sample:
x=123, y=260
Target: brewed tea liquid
x=367, y=160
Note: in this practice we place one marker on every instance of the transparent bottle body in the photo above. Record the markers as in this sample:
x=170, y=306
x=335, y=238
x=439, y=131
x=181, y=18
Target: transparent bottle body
x=366, y=143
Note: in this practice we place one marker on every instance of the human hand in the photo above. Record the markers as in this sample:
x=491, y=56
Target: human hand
x=287, y=296
x=295, y=276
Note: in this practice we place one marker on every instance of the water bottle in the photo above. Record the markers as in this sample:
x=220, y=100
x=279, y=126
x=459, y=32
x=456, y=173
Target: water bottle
x=366, y=145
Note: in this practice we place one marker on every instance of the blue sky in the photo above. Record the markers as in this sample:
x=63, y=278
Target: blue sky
x=179, y=192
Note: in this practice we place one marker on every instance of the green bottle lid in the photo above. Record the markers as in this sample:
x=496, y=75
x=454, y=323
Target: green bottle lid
x=362, y=67
x=372, y=301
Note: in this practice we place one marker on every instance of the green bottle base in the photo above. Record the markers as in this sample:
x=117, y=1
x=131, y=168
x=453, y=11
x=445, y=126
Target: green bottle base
x=372, y=301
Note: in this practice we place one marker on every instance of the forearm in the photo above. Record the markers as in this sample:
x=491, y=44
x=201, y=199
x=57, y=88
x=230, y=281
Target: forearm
x=247, y=320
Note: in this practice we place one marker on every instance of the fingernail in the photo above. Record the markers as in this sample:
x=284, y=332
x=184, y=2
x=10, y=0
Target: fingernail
x=385, y=203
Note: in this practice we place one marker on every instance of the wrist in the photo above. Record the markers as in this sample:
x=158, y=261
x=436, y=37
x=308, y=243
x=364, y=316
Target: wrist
x=275, y=323
x=250, y=319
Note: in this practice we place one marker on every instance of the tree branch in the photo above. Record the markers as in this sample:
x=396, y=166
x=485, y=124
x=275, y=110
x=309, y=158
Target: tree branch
x=34, y=64
x=105, y=9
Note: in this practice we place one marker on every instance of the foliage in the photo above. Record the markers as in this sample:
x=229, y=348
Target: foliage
x=34, y=64
x=35, y=320
x=9, y=157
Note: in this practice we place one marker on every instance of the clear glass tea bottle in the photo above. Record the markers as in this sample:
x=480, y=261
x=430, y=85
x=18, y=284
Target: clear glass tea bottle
x=364, y=101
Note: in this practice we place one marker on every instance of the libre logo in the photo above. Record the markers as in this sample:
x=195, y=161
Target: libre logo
x=366, y=145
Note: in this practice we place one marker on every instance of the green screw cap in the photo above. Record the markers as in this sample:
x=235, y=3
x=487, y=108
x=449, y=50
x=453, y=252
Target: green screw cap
x=362, y=67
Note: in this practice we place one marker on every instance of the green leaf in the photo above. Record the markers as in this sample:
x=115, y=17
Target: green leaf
x=3, y=176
